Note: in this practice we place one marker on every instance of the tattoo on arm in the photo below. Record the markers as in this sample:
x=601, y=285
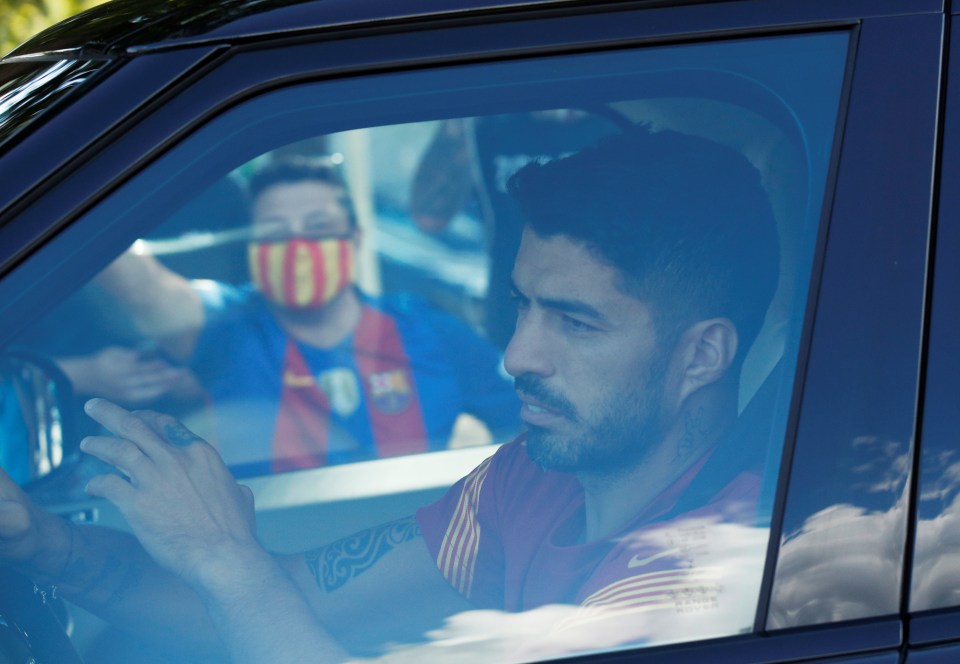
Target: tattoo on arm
x=335, y=564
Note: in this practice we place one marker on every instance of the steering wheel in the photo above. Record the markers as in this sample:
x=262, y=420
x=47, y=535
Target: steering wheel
x=30, y=630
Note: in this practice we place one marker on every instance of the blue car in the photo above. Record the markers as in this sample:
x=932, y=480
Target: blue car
x=315, y=233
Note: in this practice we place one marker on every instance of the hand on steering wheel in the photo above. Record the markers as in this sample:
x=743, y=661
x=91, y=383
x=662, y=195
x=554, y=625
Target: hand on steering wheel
x=174, y=490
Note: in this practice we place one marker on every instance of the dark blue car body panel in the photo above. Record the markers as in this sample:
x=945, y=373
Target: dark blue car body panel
x=172, y=66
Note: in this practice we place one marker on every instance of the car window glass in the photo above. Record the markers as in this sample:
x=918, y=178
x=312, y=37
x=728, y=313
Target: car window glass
x=336, y=278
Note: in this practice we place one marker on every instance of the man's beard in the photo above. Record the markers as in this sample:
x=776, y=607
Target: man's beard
x=613, y=439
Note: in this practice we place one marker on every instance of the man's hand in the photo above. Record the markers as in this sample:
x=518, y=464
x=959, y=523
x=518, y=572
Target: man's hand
x=195, y=520
x=31, y=539
x=175, y=492
x=124, y=375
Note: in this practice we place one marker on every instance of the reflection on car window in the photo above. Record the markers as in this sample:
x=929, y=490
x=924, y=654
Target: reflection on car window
x=602, y=266
x=335, y=368
x=935, y=546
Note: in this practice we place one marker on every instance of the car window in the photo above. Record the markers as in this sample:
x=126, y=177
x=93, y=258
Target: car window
x=344, y=276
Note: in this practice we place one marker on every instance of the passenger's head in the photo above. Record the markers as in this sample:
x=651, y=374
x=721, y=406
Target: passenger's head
x=302, y=255
x=644, y=272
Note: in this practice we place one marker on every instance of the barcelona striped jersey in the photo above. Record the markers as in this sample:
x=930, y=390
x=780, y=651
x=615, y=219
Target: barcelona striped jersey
x=394, y=386
x=509, y=537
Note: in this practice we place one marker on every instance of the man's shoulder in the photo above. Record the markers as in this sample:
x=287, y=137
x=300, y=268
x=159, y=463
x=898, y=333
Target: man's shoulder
x=508, y=459
x=232, y=315
x=503, y=499
x=522, y=484
x=511, y=470
x=513, y=457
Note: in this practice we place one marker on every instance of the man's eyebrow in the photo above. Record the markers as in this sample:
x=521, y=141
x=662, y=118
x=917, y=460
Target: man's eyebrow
x=565, y=305
x=572, y=307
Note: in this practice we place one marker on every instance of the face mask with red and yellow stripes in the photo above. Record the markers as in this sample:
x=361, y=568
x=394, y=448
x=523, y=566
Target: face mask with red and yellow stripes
x=301, y=273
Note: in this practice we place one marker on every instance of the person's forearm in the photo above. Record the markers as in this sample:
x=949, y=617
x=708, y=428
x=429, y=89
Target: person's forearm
x=108, y=573
x=163, y=304
x=249, y=600
x=260, y=613
x=102, y=570
x=191, y=517
x=360, y=586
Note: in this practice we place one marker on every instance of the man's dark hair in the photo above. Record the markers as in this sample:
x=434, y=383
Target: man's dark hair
x=685, y=220
x=293, y=171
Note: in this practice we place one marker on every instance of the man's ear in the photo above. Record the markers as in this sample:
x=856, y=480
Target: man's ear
x=707, y=350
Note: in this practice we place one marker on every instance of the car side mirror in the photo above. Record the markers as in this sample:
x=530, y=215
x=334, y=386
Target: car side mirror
x=37, y=412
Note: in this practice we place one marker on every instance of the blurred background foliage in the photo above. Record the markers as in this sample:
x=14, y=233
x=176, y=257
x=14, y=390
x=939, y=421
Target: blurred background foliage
x=21, y=19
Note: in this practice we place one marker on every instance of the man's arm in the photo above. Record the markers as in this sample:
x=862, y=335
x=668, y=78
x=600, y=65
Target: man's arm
x=377, y=586
x=363, y=588
x=102, y=570
x=163, y=304
x=195, y=521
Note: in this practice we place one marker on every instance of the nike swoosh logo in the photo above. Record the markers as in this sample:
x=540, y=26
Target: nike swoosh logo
x=637, y=561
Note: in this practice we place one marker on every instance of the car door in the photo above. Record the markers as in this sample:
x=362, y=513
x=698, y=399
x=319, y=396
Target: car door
x=932, y=597
x=836, y=104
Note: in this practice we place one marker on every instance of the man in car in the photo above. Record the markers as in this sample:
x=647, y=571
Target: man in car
x=303, y=369
x=644, y=272
x=472, y=160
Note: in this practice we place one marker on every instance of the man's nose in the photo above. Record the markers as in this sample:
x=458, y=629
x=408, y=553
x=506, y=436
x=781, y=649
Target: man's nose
x=527, y=352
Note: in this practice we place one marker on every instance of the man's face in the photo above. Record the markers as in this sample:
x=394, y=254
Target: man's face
x=585, y=359
x=302, y=254
x=308, y=209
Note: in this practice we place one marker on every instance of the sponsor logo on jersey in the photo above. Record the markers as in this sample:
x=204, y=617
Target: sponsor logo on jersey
x=293, y=379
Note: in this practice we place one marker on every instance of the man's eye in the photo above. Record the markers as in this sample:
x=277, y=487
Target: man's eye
x=577, y=325
x=325, y=225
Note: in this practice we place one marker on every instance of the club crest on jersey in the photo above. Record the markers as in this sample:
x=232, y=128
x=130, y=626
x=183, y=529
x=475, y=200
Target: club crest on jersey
x=390, y=390
x=342, y=390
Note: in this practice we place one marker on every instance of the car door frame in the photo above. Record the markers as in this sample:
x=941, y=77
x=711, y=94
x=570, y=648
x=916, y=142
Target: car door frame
x=208, y=77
